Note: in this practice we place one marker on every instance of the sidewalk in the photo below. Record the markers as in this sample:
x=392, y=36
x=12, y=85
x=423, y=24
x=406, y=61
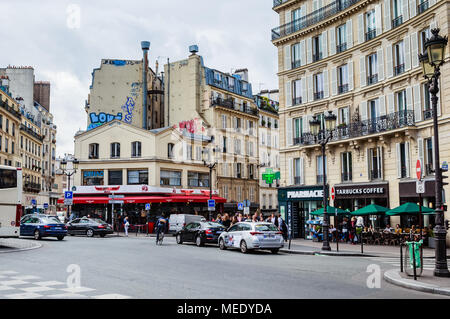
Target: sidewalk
x=425, y=283
x=8, y=245
x=308, y=247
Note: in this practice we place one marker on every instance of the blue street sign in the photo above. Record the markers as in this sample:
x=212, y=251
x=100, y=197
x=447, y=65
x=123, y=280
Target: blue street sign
x=147, y=206
x=211, y=203
x=246, y=203
x=33, y=202
x=45, y=205
x=240, y=206
x=445, y=166
x=68, y=195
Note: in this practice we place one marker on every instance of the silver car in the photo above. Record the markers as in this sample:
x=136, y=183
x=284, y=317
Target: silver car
x=252, y=235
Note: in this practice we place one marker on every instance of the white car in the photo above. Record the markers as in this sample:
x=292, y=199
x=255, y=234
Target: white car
x=252, y=235
x=178, y=221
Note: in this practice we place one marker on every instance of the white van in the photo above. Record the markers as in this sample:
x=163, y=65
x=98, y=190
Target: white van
x=178, y=221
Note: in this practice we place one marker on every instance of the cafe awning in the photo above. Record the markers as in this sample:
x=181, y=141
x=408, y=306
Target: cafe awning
x=330, y=210
x=409, y=209
x=371, y=209
x=146, y=199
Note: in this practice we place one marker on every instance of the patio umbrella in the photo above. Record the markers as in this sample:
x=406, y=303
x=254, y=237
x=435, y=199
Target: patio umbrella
x=371, y=209
x=409, y=209
x=330, y=210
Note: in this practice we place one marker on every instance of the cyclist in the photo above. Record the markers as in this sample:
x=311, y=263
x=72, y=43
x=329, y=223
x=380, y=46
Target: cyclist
x=161, y=225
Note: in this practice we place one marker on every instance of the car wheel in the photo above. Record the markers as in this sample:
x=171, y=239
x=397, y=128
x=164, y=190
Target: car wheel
x=71, y=234
x=222, y=244
x=37, y=235
x=90, y=233
x=244, y=248
x=60, y=237
x=199, y=241
x=179, y=239
x=274, y=251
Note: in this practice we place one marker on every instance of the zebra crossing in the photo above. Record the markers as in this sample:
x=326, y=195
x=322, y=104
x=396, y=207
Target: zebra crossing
x=428, y=263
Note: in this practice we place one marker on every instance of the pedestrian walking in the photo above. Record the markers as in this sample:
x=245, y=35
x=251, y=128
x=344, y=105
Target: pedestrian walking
x=282, y=227
x=126, y=224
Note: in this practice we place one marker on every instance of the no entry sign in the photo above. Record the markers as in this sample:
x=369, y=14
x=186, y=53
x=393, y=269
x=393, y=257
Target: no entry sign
x=419, y=170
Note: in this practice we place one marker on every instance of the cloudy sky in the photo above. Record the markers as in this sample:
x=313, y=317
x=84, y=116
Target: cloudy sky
x=65, y=40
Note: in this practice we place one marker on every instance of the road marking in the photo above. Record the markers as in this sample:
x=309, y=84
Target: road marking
x=111, y=296
x=26, y=277
x=3, y=288
x=49, y=283
x=67, y=296
x=37, y=289
x=8, y=272
x=77, y=289
x=13, y=282
x=27, y=295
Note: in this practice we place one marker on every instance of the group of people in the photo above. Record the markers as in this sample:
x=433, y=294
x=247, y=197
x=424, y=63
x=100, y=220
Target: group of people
x=275, y=219
x=349, y=230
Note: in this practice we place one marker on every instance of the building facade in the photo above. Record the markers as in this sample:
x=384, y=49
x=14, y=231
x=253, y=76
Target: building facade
x=358, y=60
x=223, y=103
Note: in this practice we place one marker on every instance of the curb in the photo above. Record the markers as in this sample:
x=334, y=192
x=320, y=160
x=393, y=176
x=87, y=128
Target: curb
x=323, y=253
x=13, y=248
x=393, y=277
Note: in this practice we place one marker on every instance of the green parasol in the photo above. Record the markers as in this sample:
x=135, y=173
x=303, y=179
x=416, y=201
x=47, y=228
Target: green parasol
x=330, y=210
x=371, y=209
x=409, y=209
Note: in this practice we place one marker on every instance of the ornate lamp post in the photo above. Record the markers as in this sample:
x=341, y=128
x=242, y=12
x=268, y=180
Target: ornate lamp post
x=69, y=173
x=209, y=162
x=431, y=61
x=323, y=137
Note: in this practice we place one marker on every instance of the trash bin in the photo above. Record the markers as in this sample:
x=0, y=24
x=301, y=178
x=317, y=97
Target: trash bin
x=413, y=255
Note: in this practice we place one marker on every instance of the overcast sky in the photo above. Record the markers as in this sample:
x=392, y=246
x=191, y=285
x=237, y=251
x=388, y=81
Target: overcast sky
x=64, y=49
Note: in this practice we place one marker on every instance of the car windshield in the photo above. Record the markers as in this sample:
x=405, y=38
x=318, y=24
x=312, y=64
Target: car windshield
x=50, y=220
x=211, y=224
x=266, y=227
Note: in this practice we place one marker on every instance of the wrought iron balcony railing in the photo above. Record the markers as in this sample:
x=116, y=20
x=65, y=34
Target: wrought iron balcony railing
x=422, y=7
x=312, y=18
x=370, y=34
x=397, y=21
x=317, y=56
x=297, y=100
x=297, y=180
x=427, y=114
x=372, y=79
x=229, y=103
x=279, y=2
x=295, y=64
x=318, y=95
x=343, y=88
x=10, y=109
x=355, y=129
x=346, y=176
x=31, y=132
x=399, y=69
x=375, y=174
x=341, y=47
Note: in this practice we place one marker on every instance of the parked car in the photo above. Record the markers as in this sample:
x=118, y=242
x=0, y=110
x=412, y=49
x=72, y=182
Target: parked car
x=200, y=233
x=252, y=235
x=89, y=227
x=178, y=221
x=39, y=226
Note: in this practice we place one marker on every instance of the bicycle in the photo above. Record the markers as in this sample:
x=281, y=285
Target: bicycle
x=160, y=238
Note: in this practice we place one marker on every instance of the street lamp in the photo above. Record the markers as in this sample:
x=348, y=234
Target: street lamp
x=431, y=60
x=209, y=162
x=323, y=137
x=63, y=167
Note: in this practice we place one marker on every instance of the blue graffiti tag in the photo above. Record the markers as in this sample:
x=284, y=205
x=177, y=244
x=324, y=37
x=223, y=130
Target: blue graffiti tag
x=102, y=118
x=128, y=109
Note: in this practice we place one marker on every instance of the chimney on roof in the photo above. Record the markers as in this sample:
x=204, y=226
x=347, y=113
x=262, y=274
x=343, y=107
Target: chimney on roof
x=243, y=73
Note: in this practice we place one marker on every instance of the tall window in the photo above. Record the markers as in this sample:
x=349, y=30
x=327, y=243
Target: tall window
x=115, y=150
x=170, y=153
x=399, y=58
x=424, y=35
x=397, y=13
x=374, y=114
x=7, y=126
x=370, y=25
x=295, y=55
x=346, y=166
x=136, y=149
x=343, y=79
x=317, y=48
x=341, y=38
x=375, y=163
x=427, y=110
x=372, y=69
x=320, y=169
x=297, y=171
x=93, y=151
x=318, y=86
x=429, y=156
x=296, y=92
x=224, y=121
x=403, y=160
x=137, y=177
x=298, y=129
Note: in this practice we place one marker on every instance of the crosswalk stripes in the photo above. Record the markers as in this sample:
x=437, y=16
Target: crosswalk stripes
x=428, y=263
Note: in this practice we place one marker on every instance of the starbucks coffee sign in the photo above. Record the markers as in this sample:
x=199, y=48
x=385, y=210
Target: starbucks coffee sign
x=360, y=191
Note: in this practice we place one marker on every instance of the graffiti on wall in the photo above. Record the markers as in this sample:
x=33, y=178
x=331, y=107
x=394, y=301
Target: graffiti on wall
x=192, y=126
x=102, y=118
x=120, y=62
x=135, y=89
x=128, y=108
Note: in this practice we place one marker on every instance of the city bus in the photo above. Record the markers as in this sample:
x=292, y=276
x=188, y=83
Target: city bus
x=10, y=201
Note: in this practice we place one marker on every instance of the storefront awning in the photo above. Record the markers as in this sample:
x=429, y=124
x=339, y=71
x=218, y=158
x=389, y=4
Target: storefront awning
x=146, y=199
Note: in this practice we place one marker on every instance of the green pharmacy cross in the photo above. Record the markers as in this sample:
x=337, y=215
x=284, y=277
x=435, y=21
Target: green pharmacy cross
x=269, y=176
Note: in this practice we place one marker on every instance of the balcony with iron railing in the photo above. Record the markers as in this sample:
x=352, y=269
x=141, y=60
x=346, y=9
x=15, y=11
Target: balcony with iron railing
x=341, y=47
x=312, y=18
x=397, y=21
x=295, y=64
x=427, y=114
x=10, y=109
x=317, y=56
x=399, y=69
x=343, y=88
x=32, y=187
x=360, y=128
x=372, y=79
x=31, y=132
x=297, y=100
x=229, y=103
x=422, y=7
x=318, y=95
x=375, y=174
x=370, y=34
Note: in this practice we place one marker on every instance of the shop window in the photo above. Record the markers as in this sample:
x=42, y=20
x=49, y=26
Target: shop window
x=91, y=178
x=170, y=178
x=115, y=177
x=137, y=177
x=198, y=179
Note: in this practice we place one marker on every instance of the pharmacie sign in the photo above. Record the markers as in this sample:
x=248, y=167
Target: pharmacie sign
x=302, y=194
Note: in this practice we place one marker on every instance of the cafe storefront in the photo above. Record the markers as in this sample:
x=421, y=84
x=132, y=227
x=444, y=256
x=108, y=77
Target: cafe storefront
x=296, y=205
x=356, y=196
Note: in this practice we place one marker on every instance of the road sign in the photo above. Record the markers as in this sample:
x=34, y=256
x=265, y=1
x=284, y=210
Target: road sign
x=116, y=196
x=113, y=201
x=147, y=206
x=420, y=187
x=419, y=170
x=68, y=198
x=211, y=205
x=246, y=203
x=74, y=188
x=45, y=205
x=332, y=193
x=445, y=166
x=33, y=202
x=240, y=206
x=246, y=210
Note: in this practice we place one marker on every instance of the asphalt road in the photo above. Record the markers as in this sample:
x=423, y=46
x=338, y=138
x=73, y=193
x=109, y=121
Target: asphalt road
x=135, y=267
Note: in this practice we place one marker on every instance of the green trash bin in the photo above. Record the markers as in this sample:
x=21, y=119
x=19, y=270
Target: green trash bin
x=413, y=257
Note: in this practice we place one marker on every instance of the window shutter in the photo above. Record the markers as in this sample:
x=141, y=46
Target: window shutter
x=287, y=57
x=302, y=171
x=391, y=106
x=290, y=170
x=334, y=81
x=363, y=110
x=382, y=100
x=310, y=88
x=407, y=160
x=360, y=28
x=399, y=161
x=324, y=40
x=405, y=12
x=184, y=145
x=350, y=76
x=409, y=98
x=417, y=103
x=387, y=15
x=289, y=140
x=362, y=71
x=288, y=16
x=380, y=61
x=302, y=52
x=378, y=22
x=288, y=88
x=369, y=168
x=381, y=161
x=309, y=50
x=414, y=50
x=349, y=27
x=412, y=8
x=389, y=65
x=326, y=85
x=407, y=48
x=439, y=101
x=304, y=90
x=332, y=32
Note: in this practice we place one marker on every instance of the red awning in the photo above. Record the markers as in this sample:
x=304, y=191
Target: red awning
x=146, y=199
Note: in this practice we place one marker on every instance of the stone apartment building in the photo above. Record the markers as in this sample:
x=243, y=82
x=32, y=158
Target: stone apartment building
x=358, y=60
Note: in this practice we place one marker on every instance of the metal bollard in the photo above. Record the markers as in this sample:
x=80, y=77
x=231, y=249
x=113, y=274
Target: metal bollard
x=401, y=257
x=362, y=243
x=414, y=260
